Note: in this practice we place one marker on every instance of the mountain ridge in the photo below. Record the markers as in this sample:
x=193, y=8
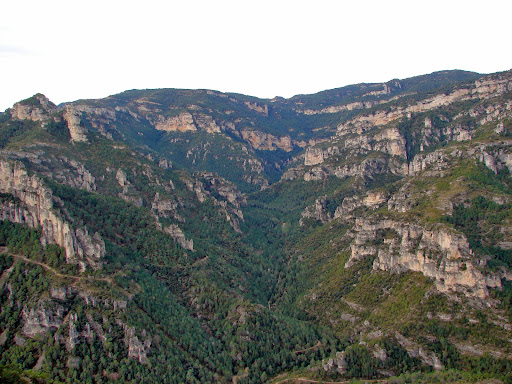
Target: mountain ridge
x=217, y=236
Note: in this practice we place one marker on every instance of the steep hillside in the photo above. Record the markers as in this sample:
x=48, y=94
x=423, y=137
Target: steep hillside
x=195, y=236
x=246, y=140
x=417, y=249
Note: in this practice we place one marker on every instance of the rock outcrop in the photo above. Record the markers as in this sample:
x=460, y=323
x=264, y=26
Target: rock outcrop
x=316, y=155
x=36, y=108
x=349, y=204
x=179, y=237
x=35, y=207
x=317, y=212
x=223, y=193
x=260, y=108
x=388, y=141
x=367, y=169
x=415, y=350
x=61, y=169
x=340, y=108
x=266, y=141
x=489, y=87
x=437, y=252
x=137, y=349
x=76, y=131
x=206, y=123
x=338, y=363
x=494, y=156
x=77, y=176
x=166, y=207
x=128, y=194
x=40, y=318
x=378, y=131
x=184, y=122
x=100, y=118
x=224, y=188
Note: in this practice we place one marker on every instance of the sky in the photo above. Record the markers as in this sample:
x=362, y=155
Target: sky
x=78, y=49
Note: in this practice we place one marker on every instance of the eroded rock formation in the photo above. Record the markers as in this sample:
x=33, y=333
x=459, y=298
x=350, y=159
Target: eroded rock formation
x=34, y=206
x=437, y=252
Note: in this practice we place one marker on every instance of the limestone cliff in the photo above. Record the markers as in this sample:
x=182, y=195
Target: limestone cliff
x=416, y=350
x=436, y=251
x=317, y=211
x=136, y=348
x=379, y=131
x=179, y=237
x=340, y=108
x=260, y=108
x=61, y=169
x=366, y=169
x=36, y=108
x=495, y=156
x=222, y=193
x=36, y=208
x=184, y=122
x=41, y=318
x=76, y=131
x=166, y=207
x=349, y=204
x=388, y=141
x=206, y=123
x=55, y=314
x=315, y=156
x=266, y=141
x=100, y=118
x=489, y=87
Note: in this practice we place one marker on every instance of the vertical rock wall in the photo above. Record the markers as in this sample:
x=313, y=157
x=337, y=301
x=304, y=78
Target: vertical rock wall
x=35, y=209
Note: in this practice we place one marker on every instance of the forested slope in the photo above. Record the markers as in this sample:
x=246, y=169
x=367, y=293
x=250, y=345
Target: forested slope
x=196, y=236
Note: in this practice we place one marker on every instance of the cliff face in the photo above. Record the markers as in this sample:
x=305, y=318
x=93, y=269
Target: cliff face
x=392, y=218
x=398, y=245
x=181, y=123
x=177, y=234
x=380, y=131
x=37, y=108
x=267, y=142
x=61, y=169
x=388, y=141
x=37, y=209
x=397, y=141
x=317, y=212
x=224, y=195
x=41, y=318
x=436, y=252
x=367, y=168
x=492, y=86
x=57, y=314
x=72, y=117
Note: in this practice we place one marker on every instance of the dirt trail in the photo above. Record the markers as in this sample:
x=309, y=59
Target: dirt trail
x=50, y=269
x=316, y=346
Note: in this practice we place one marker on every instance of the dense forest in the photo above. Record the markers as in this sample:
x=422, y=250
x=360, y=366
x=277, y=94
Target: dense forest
x=179, y=236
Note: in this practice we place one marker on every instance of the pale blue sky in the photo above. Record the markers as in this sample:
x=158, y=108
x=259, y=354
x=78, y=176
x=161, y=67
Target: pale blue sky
x=70, y=50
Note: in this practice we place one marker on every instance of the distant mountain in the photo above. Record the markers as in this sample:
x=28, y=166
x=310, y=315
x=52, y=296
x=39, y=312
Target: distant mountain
x=196, y=236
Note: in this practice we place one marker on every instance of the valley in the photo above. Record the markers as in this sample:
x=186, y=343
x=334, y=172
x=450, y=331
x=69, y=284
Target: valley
x=195, y=236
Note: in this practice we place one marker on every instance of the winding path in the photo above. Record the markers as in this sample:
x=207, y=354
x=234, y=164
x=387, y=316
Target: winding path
x=316, y=346
x=51, y=269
